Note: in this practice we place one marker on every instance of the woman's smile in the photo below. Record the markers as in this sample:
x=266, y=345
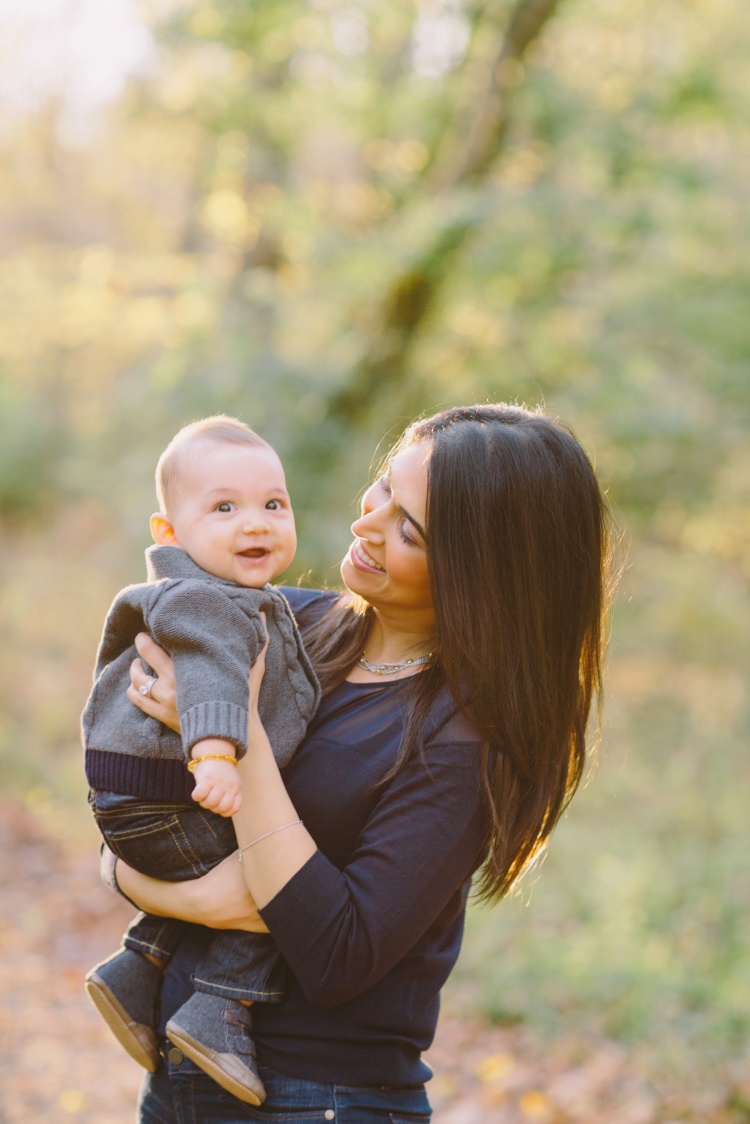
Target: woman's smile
x=362, y=560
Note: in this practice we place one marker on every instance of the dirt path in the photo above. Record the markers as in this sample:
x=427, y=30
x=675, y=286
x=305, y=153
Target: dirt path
x=60, y=1064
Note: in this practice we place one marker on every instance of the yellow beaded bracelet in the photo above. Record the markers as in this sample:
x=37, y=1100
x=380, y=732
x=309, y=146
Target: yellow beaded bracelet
x=210, y=757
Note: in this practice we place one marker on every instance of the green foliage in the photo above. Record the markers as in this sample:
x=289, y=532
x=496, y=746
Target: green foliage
x=31, y=446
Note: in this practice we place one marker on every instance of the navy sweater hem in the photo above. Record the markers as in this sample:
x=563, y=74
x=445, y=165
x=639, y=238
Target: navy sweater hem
x=146, y=778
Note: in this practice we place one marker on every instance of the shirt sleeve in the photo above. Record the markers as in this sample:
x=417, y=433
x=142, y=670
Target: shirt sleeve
x=342, y=930
x=213, y=642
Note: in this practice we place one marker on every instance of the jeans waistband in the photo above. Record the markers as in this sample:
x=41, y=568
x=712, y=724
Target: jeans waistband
x=292, y=1098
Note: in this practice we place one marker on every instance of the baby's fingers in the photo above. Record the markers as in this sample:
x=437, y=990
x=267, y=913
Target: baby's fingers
x=216, y=798
x=229, y=804
x=236, y=805
x=201, y=791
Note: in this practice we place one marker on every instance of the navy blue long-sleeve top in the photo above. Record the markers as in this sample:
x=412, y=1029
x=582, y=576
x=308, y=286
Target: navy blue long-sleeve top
x=371, y=925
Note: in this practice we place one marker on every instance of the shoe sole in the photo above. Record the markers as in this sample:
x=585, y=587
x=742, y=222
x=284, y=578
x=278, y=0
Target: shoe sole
x=243, y=1083
x=138, y=1041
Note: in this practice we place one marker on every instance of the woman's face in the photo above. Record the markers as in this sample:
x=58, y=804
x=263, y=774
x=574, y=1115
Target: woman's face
x=387, y=562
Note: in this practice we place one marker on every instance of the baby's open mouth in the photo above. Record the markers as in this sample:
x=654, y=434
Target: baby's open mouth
x=254, y=552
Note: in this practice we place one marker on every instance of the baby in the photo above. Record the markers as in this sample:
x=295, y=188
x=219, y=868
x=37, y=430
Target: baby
x=162, y=799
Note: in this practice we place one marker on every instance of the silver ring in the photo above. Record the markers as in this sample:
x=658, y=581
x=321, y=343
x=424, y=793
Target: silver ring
x=147, y=687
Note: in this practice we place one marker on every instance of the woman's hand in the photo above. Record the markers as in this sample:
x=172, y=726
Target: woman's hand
x=219, y=899
x=161, y=702
x=255, y=678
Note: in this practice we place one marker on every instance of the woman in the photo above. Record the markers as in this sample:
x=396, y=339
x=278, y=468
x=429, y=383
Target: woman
x=458, y=673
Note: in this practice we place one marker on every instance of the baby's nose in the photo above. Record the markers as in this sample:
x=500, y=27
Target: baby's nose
x=252, y=526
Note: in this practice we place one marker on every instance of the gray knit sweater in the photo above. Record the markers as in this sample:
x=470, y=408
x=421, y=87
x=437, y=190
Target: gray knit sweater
x=213, y=630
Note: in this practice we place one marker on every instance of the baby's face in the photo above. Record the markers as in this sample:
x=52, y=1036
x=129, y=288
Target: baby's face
x=232, y=513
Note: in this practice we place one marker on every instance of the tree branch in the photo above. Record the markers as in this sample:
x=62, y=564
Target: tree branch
x=411, y=296
x=489, y=124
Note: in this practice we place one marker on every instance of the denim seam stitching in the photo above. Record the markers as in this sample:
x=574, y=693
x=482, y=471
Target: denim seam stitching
x=239, y=990
x=150, y=946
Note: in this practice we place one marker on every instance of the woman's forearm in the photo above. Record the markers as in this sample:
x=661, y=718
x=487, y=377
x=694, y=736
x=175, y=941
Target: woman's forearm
x=275, y=855
x=219, y=899
x=165, y=899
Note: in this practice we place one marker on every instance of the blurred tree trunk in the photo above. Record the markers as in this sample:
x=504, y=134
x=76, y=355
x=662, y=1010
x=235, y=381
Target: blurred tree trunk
x=411, y=295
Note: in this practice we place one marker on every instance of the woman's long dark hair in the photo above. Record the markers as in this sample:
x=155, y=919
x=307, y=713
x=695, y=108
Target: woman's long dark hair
x=519, y=563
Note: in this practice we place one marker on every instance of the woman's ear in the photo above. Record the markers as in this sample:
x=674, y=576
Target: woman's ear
x=162, y=530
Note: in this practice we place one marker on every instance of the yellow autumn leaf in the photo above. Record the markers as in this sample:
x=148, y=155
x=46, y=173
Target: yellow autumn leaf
x=71, y=1101
x=494, y=1067
x=535, y=1105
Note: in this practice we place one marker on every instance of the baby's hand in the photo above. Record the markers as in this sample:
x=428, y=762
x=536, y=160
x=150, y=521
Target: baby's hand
x=217, y=787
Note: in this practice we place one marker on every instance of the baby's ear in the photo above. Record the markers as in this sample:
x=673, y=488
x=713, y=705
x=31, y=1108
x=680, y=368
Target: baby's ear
x=162, y=530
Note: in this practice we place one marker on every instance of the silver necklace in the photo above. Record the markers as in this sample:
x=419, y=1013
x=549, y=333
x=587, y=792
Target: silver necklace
x=392, y=668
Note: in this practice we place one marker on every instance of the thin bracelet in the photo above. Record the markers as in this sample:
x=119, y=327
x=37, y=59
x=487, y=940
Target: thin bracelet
x=210, y=757
x=283, y=827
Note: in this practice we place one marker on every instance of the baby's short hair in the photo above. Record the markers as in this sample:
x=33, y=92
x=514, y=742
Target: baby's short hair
x=219, y=429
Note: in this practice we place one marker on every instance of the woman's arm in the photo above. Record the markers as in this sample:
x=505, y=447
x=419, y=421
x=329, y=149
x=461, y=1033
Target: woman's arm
x=274, y=843
x=341, y=930
x=219, y=899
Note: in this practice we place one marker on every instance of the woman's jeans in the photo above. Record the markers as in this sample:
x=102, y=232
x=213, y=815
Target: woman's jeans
x=177, y=842
x=180, y=1093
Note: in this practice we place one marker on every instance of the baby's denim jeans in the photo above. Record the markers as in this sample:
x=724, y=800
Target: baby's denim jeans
x=177, y=842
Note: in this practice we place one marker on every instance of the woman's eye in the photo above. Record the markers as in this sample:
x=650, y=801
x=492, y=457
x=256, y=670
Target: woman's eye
x=401, y=525
x=225, y=507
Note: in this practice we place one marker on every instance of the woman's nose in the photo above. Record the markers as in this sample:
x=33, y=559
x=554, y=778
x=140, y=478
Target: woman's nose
x=367, y=526
x=368, y=522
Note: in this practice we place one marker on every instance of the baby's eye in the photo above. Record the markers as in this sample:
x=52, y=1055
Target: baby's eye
x=225, y=507
x=273, y=505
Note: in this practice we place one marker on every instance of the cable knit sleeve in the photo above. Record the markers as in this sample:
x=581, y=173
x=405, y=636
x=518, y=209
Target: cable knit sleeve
x=213, y=642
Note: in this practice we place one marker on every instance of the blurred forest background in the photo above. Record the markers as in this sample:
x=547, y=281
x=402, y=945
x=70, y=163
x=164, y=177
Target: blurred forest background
x=327, y=216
